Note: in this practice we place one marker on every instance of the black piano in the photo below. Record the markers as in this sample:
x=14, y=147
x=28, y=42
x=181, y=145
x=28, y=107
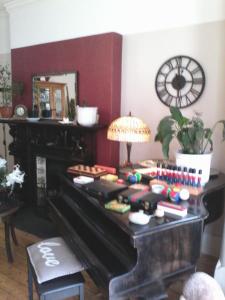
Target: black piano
x=131, y=261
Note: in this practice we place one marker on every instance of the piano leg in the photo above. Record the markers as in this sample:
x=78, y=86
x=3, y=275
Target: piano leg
x=162, y=256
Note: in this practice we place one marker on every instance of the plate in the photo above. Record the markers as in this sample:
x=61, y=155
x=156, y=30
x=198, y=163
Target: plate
x=33, y=119
x=148, y=172
x=63, y=122
x=151, y=163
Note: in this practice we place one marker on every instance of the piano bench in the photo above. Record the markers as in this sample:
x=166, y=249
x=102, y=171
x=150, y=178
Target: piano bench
x=41, y=261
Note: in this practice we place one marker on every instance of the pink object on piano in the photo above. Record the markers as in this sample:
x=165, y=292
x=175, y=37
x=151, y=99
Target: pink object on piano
x=174, y=209
x=110, y=170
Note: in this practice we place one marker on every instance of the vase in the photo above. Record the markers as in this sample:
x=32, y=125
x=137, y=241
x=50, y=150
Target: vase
x=197, y=162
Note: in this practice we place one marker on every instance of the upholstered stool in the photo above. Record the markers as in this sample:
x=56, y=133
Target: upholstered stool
x=55, y=270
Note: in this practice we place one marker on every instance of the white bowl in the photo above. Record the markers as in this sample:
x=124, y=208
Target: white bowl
x=157, y=188
x=33, y=119
x=139, y=218
x=87, y=116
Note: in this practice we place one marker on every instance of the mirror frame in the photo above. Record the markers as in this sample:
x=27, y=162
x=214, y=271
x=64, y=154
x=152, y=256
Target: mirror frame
x=36, y=103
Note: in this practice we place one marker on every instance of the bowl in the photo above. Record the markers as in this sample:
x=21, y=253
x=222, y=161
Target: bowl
x=157, y=188
x=33, y=119
x=87, y=116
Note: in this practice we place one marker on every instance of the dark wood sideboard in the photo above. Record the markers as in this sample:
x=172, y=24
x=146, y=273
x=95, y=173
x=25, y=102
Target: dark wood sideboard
x=131, y=261
x=61, y=145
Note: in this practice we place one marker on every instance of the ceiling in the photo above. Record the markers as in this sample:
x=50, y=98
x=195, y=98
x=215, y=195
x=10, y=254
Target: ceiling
x=13, y=3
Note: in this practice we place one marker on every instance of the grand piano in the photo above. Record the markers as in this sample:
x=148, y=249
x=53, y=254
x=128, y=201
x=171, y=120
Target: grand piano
x=131, y=261
x=128, y=261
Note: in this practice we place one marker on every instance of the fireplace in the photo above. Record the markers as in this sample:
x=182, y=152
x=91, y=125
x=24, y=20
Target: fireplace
x=46, y=148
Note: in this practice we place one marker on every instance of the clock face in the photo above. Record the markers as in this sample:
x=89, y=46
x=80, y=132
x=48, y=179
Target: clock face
x=180, y=81
x=20, y=111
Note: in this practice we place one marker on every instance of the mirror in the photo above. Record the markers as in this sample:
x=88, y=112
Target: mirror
x=54, y=95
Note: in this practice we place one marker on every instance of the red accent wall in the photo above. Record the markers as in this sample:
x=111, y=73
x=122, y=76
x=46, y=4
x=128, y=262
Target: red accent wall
x=97, y=59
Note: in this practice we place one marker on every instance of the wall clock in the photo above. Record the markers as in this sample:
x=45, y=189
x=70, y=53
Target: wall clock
x=180, y=81
x=20, y=111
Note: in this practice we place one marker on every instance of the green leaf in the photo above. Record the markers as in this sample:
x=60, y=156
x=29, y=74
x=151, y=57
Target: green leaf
x=208, y=133
x=165, y=134
x=165, y=145
x=223, y=123
x=178, y=117
x=198, y=140
x=184, y=140
x=165, y=127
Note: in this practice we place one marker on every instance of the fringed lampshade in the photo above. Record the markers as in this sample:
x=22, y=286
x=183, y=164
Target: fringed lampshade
x=129, y=129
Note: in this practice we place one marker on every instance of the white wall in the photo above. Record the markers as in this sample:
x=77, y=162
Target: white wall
x=40, y=21
x=4, y=32
x=5, y=58
x=144, y=53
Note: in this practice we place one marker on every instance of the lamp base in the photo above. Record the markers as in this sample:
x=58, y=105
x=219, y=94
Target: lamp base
x=126, y=164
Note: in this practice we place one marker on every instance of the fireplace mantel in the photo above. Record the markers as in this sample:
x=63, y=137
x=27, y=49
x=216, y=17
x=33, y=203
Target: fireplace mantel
x=61, y=145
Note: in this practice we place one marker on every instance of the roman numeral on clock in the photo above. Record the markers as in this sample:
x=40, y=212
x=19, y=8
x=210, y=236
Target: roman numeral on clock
x=169, y=99
x=196, y=70
x=198, y=80
x=178, y=60
x=162, y=93
x=194, y=92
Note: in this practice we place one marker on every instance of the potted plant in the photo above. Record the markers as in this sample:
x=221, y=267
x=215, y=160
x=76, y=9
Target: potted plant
x=193, y=137
x=86, y=115
x=7, y=90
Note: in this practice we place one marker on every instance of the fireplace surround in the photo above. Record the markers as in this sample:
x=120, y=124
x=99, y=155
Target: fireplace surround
x=46, y=148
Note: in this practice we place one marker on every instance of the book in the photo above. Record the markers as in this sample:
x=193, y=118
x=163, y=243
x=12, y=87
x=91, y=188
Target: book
x=114, y=205
x=174, y=209
x=103, y=189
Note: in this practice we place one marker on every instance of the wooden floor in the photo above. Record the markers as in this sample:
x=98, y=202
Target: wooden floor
x=13, y=277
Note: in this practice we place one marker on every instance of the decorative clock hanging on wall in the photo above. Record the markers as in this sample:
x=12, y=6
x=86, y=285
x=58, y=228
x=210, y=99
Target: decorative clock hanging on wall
x=180, y=81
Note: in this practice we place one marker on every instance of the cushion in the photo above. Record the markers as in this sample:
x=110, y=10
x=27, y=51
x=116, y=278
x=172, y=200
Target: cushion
x=201, y=286
x=52, y=258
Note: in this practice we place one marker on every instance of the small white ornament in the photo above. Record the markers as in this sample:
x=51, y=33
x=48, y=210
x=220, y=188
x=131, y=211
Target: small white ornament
x=159, y=213
x=15, y=177
x=139, y=218
x=184, y=194
x=2, y=162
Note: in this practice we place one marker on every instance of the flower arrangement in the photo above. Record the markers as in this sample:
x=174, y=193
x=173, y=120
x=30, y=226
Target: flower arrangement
x=9, y=181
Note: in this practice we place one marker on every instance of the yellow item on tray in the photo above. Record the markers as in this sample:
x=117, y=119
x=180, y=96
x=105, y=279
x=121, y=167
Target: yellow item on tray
x=109, y=177
x=114, y=205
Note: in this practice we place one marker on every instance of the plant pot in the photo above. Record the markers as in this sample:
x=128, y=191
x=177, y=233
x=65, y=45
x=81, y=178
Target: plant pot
x=6, y=111
x=87, y=116
x=197, y=162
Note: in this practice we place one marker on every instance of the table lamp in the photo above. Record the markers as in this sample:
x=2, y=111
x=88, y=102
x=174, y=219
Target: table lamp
x=128, y=129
